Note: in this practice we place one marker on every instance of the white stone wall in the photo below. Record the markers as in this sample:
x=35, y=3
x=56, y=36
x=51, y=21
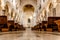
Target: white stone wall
x=58, y=10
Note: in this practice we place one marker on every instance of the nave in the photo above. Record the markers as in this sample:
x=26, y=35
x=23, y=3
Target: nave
x=28, y=34
x=29, y=19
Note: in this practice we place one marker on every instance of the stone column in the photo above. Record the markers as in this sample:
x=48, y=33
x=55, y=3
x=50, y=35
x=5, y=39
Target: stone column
x=0, y=8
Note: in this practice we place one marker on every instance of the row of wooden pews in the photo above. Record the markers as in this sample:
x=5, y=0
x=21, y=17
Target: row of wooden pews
x=19, y=27
x=9, y=25
x=37, y=27
x=52, y=25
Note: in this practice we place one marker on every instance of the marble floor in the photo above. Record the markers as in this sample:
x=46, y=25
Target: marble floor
x=29, y=35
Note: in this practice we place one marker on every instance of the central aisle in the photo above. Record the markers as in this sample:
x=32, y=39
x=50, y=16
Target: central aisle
x=28, y=34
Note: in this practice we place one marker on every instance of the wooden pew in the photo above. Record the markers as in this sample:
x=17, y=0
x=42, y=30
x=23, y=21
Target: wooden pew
x=16, y=26
x=19, y=27
x=44, y=25
x=3, y=24
x=11, y=25
x=37, y=27
x=40, y=26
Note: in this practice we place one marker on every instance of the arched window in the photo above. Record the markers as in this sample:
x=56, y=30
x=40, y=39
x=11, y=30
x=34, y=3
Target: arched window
x=40, y=7
x=29, y=20
x=50, y=5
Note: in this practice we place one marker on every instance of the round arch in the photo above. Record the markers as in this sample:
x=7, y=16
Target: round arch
x=28, y=7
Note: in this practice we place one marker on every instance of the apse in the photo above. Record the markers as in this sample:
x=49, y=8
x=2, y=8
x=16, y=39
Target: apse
x=28, y=11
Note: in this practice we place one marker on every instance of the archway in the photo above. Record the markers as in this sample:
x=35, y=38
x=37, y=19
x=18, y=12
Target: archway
x=28, y=11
